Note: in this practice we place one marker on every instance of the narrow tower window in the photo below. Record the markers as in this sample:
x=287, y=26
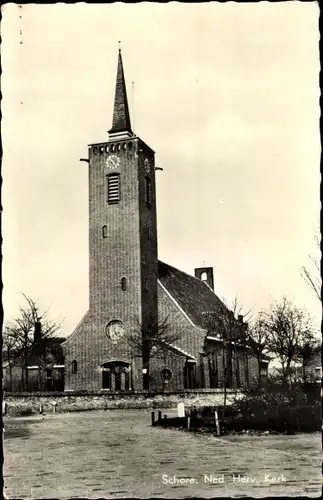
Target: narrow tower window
x=74, y=366
x=148, y=194
x=124, y=284
x=149, y=233
x=104, y=231
x=113, y=181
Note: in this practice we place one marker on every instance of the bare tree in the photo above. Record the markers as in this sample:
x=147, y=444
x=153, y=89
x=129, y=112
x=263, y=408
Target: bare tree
x=258, y=341
x=10, y=349
x=287, y=327
x=148, y=340
x=29, y=332
x=312, y=272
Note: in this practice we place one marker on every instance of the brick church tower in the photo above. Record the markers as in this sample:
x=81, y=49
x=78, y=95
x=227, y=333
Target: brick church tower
x=131, y=292
x=123, y=268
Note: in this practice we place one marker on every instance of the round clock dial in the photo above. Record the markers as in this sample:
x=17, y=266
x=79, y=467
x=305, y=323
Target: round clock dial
x=115, y=331
x=112, y=162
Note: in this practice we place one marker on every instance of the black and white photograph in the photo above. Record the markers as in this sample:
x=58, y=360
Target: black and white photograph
x=161, y=250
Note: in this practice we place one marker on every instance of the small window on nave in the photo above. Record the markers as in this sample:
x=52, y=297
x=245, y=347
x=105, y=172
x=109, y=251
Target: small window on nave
x=124, y=284
x=104, y=231
x=74, y=366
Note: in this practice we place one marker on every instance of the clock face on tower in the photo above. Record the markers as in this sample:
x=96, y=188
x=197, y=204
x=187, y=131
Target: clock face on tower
x=112, y=162
x=115, y=331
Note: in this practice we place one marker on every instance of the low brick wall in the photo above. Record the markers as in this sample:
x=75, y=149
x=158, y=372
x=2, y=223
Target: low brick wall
x=29, y=403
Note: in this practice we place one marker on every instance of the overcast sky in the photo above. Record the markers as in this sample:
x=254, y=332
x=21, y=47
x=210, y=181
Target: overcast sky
x=228, y=97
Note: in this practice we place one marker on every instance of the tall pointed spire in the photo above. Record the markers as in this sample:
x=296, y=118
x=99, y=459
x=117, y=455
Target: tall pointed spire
x=121, y=125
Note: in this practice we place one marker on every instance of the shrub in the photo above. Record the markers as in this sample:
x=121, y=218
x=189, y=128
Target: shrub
x=272, y=407
x=25, y=412
x=279, y=407
x=273, y=392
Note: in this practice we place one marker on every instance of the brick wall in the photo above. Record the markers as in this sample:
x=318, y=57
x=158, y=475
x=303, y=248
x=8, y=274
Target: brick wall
x=24, y=404
x=90, y=346
x=117, y=255
x=247, y=364
x=125, y=252
x=189, y=337
x=148, y=234
x=171, y=361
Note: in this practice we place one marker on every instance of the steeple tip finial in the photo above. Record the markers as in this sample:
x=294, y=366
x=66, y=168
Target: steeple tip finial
x=121, y=118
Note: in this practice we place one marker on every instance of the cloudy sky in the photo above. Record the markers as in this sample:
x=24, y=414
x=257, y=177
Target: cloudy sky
x=228, y=97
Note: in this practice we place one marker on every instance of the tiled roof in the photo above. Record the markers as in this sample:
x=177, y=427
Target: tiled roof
x=191, y=294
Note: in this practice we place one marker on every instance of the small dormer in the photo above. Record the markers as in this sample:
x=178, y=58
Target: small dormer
x=205, y=274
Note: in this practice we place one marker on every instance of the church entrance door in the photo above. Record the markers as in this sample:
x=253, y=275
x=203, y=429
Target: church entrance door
x=116, y=376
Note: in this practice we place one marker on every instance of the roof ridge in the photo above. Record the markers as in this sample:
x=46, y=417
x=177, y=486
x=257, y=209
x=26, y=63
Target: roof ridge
x=193, y=298
x=187, y=316
x=184, y=272
x=197, y=279
x=174, y=346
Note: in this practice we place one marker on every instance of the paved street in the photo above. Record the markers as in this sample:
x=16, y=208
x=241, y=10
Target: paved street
x=116, y=454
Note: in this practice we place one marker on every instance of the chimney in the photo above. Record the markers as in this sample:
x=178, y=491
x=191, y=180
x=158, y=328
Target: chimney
x=243, y=326
x=205, y=274
x=37, y=332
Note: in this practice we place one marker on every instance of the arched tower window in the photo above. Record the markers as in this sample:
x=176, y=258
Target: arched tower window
x=124, y=284
x=74, y=366
x=104, y=231
x=204, y=276
x=148, y=192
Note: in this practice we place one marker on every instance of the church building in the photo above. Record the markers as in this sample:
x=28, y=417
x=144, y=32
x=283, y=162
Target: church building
x=147, y=324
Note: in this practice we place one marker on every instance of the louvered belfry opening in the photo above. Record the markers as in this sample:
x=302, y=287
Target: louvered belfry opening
x=148, y=192
x=113, y=188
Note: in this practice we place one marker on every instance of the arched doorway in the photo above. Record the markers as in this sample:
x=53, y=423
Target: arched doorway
x=116, y=376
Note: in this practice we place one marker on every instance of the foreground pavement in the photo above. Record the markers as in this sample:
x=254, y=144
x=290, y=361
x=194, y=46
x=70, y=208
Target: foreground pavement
x=117, y=454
